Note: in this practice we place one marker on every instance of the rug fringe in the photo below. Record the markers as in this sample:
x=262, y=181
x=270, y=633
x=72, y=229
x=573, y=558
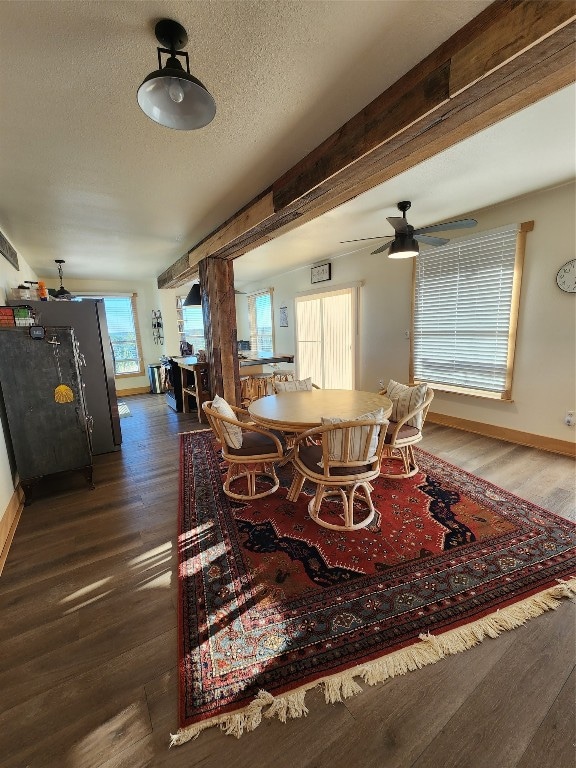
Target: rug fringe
x=429, y=650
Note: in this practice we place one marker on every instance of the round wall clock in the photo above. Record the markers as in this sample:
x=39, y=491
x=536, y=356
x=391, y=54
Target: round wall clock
x=566, y=277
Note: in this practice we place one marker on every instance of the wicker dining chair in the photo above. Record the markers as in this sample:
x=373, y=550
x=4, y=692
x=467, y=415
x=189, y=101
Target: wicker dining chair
x=410, y=406
x=250, y=451
x=254, y=387
x=340, y=458
x=294, y=385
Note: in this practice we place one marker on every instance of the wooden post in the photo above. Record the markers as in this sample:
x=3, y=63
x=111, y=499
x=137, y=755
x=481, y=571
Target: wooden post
x=219, y=312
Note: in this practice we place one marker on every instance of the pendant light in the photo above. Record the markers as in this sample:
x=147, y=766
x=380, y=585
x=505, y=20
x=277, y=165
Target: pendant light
x=194, y=298
x=170, y=95
x=61, y=293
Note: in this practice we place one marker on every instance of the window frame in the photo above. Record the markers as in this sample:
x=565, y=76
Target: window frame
x=506, y=393
x=252, y=298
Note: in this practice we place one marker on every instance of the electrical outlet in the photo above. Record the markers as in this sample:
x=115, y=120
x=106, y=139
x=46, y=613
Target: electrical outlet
x=406, y=334
x=381, y=383
x=569, y=419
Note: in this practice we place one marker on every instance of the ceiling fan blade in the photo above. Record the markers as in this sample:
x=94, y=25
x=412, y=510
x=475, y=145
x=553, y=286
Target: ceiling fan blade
x=383, y=247
x=431, y=240
x=358, y=240
x=460, y=224
x=400, y=224
x=356, y=250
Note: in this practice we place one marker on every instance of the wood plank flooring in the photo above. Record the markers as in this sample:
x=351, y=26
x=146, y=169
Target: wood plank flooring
x=88, y=637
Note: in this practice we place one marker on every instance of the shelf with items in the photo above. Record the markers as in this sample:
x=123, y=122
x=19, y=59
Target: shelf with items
x=196, y=384
x=185, y=348
x=157, y=327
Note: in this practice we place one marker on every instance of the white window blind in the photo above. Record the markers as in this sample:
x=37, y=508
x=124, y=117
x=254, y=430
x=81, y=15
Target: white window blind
x=325, y=333
x=193, y=330
x=462, y=312
x=261, y=326
x=122, y=331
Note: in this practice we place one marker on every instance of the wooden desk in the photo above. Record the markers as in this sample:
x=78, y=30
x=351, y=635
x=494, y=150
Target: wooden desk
x=298, y=411
x=196, y=384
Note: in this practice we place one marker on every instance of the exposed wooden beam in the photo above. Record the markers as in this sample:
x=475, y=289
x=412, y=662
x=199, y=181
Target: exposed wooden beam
x=511, y=55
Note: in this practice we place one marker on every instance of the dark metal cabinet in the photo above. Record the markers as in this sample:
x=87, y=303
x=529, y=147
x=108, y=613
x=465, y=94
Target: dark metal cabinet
x=47, y=436
x=88, y=319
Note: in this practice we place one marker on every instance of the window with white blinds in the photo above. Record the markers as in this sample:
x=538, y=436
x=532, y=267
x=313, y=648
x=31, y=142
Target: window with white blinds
x=261, y=326
x=121, y=322
x=325, y=335
x=465, y=312
x=193, y=327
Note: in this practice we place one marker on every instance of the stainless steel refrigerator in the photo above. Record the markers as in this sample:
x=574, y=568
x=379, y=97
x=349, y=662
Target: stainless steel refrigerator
x=88, y=319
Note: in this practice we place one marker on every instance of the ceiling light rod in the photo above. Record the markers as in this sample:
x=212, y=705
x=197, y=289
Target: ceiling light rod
x=61, y=291
x=175, y=37
x=171, y=96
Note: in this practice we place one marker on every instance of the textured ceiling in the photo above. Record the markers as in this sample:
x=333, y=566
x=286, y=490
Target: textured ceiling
x=87, y=177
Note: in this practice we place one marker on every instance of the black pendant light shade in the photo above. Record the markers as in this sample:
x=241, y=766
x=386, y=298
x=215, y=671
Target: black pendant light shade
x=403, y=247
x=194, y=298
x=170, y=95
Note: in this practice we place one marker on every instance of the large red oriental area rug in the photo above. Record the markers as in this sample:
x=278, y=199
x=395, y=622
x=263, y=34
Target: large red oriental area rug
x=271, y=604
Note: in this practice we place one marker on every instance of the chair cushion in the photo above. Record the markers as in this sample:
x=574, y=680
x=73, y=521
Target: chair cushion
x=404, y=432
x=255, y=444
x=357, y=436
x=232, y=433
x=298, y=385
x=405, y=399
x=311, y=457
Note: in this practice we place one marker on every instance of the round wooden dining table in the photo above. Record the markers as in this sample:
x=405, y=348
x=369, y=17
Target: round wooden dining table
x=299, y=411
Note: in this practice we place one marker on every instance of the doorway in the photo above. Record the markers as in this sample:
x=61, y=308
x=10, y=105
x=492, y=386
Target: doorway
x=326, y=336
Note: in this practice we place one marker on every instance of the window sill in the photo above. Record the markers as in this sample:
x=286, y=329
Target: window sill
x=503, y=396
x=128, y=375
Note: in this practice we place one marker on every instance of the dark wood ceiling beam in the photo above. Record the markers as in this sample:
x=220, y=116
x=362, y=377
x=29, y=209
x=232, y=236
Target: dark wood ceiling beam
x=511, y=55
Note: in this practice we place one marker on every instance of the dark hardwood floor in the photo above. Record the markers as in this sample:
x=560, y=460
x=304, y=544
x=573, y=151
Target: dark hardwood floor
x=88, y=638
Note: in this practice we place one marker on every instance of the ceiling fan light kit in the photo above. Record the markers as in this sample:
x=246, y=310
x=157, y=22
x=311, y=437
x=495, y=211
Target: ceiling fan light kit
x=403, y=247
x=170, y=95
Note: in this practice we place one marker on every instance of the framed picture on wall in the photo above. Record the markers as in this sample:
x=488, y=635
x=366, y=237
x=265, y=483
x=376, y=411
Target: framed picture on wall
x=8, y=252
x=283, y=317
x=321, y=272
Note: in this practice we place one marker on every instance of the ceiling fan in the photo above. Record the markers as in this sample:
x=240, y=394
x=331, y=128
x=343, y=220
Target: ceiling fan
x=405, y=241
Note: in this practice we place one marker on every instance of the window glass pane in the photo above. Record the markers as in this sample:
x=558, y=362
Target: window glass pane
x=462, y=311
x=193, y=327
x=261, y=333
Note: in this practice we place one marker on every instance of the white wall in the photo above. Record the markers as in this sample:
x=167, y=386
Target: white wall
x=544, y=386
x=9, y=278
x=148, y=298
x=167, y=298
